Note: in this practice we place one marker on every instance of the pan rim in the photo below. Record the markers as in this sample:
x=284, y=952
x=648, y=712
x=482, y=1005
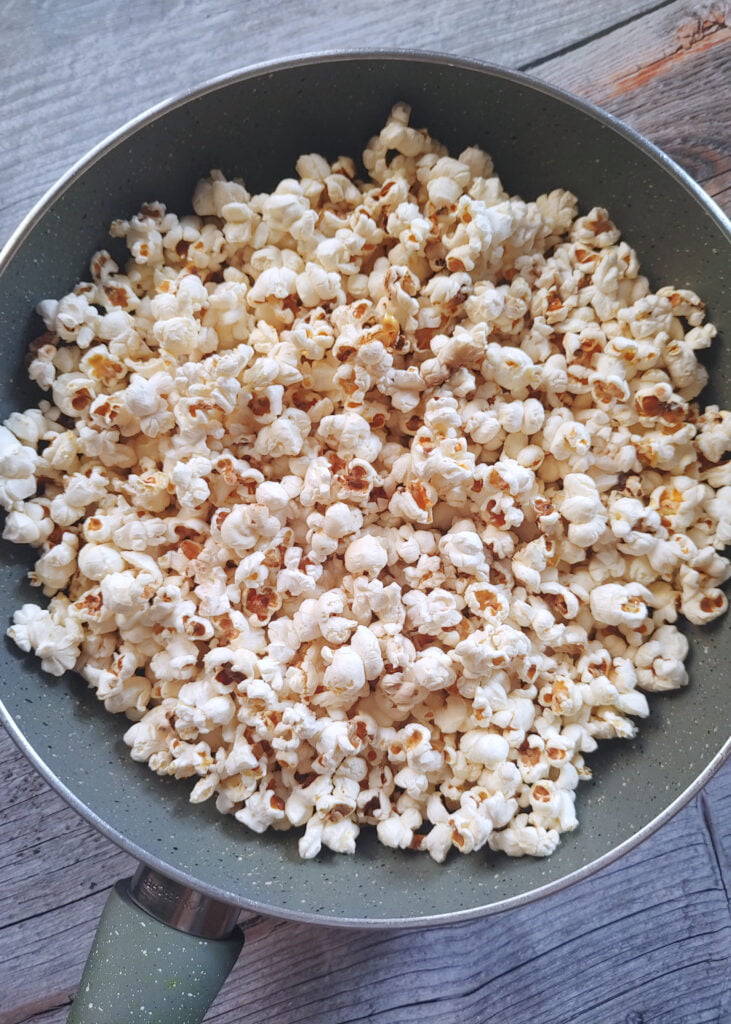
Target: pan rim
x=56, y=192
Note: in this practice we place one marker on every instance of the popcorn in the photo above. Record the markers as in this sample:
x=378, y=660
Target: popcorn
x=57, y=564
x=366, y=555
x=619, y=604
x=54, y=638
x=95, y=561
x=343, y=679
x=365, y=644
x=486, y=748
x=17, y=469
x=372, y=503
x=144, y=400
x=28, y=523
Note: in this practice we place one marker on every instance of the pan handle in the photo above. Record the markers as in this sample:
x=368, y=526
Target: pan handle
x=161, y=953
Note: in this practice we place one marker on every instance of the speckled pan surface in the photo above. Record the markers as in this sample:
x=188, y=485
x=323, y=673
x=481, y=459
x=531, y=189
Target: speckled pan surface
x=254, y=125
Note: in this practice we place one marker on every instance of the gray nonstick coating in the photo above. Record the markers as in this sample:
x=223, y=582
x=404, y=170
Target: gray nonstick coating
x=253, y=125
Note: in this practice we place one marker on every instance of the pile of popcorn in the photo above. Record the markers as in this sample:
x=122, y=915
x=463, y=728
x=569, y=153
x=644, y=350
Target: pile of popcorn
x=372, y=502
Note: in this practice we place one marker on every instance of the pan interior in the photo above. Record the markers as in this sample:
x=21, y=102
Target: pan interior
x=254, y=127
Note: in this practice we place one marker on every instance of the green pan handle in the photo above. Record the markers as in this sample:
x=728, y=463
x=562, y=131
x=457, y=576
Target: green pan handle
x=142, y=970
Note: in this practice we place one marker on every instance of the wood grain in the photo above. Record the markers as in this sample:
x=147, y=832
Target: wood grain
x=646, y=941
x=667, y=75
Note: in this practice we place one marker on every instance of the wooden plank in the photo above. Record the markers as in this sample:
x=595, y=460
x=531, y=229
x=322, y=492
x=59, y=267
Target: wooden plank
x=42, y=957
x=666, y=75
x=40, y=833
x=633, y=55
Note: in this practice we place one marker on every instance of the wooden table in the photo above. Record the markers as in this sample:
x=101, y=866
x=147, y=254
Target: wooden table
x=646, y=941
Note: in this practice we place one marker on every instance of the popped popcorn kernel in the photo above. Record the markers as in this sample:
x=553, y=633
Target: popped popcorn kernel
x=372, y=502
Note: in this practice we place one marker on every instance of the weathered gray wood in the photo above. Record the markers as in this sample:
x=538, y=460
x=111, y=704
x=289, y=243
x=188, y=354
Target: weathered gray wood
x=667, y=75
x=647, y=941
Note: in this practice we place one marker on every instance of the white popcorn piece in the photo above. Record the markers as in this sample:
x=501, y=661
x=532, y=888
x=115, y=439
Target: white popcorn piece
x=17, y=469
x=57, y=565
x=619, y=604
x=485, y=748
x=463, y=549
x=350, y=435
x=95, y=561
x=520, y=838
x=366, y=555
x=28, y=523
x=344, y=679
x=56, y=643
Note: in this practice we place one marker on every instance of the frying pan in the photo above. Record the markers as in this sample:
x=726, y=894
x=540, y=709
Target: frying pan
x=200, y=868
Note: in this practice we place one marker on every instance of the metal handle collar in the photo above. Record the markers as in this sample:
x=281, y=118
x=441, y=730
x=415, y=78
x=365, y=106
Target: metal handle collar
x=176, y=905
